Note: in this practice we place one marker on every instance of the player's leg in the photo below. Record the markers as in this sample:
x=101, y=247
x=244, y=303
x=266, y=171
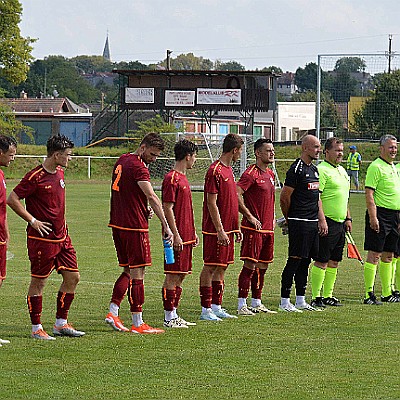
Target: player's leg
x=300, y=280
x=288, y=273
x=385, y=273
x=171, y=282
x=370, y=268
x=218, y=287
x=3, y=258
x=318, y=271
x=244, y=281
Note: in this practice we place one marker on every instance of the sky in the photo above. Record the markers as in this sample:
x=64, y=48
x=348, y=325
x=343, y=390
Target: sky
x=256, y=33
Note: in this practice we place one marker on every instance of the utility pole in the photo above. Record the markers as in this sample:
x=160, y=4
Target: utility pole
x=169, y=59
x=390, y=53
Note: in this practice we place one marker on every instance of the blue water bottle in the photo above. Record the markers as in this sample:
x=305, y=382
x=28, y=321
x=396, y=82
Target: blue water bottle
x=168, y=252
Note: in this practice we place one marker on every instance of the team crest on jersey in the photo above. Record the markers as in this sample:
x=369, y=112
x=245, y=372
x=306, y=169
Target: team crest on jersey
x=62, y=183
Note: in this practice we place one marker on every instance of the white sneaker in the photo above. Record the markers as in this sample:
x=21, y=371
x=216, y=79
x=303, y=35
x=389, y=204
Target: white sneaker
x=261, y=309
x=3, y=341
x=222, y=313
x=209, y=316
x=187, y=323
x=174, y=323
x=245, y=311
x=289, y=308
x=306, y=307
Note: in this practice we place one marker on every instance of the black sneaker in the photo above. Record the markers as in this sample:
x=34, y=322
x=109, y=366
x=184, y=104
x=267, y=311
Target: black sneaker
x=395, y=293
x=390, y=299
x=332, y=301
x=371, y=299
x=317, y=302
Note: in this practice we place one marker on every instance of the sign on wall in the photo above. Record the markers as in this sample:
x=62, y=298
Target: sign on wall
x=139, y=95
x=183, y=98
x=218, y=96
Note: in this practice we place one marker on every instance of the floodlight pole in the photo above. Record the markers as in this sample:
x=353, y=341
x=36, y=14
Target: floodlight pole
x=318, y=110
x=169, y=59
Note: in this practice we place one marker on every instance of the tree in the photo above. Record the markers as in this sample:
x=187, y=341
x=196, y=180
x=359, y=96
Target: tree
x=15, y=50
x=272, y=69
x=306, y=78
x=350, y=64
x=156, y=124
x=186, y=62
x=380, y=114
x=228, y=66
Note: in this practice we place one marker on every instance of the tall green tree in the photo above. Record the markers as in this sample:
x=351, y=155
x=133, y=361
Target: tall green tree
x=350, y=64
x=380, y=114
x=15, y=50
x=228, y=66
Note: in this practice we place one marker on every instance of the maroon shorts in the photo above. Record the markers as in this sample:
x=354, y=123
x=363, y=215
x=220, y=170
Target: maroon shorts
x=3, y=260
x=257, y=246
x=46, y=256
x=183, y=261
x=133, y=248
x=215, y=254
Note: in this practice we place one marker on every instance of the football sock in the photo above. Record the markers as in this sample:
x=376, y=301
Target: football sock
x=120, y=289
x=369, y=277
x=35, y=308
x=178, y=294
x=284, y=301
x=36, y=327
x=114, y=309
x=175, y=313
x=64, y=301
x=168, y=315
x=300, y=300
x=317, y=280
x=397, y=274
x=385, y=273
x=244, y=282
x=205, y=296
x=136, y=295
x=329, y=283
x=257, y=283
x=241, y=302
x=60, y=322
x=216, y=307
x=168, y=297
x=255, y=302
x=217, y=292
x=287, y=276
x=137, y=319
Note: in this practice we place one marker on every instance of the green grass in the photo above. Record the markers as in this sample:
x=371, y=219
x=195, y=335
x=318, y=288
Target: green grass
x=345, y=353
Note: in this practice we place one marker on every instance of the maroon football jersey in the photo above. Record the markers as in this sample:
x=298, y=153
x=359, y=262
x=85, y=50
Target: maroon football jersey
x=128, y=202
x=44, y=195
x=220, y=180
x=259, y=195
x=176, y=189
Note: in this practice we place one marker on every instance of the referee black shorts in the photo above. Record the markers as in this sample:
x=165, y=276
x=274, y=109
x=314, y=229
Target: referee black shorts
x=386, y=239
x=331, y=246
x=303, y=238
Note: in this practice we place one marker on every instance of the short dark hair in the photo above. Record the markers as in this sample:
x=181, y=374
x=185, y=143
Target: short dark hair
x=58, y=143
x=331, y=141
x=231, y=141
x=259, y=142
x=6, y=142
x=183, y=148
x=153, y=140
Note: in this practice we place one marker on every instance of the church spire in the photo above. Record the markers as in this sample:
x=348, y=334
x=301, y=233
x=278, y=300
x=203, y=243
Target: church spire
x=106, y=51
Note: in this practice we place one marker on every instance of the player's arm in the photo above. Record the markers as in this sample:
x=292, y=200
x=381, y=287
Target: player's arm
x=169, y=215
x=322, y=225
x=285, y=200
x=348, y=223
x=44, y=228
x=156, y=205
x=222, y=237
x=371, y=207
x=245, y=211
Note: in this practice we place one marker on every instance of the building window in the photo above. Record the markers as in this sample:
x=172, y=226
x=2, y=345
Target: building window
x=257, y=132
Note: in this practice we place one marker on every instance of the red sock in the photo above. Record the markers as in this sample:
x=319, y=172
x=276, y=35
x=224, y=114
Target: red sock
x=136, y=295
x=169, y=297
x=35, y=308
x=64, y=301
x=257, y=283
x=120, y=288
x=178, y=291
x=205, y=296
x=217, y=292
x=244, y=282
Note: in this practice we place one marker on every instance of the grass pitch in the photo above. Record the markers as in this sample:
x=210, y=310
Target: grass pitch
x=345, y=353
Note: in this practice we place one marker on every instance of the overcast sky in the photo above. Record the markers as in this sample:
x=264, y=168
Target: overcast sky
x=257, y=33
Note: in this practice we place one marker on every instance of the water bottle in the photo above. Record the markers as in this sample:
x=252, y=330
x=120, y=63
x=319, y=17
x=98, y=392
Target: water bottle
x=168, y=252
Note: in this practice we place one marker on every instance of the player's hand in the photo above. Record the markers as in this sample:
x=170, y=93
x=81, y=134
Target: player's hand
x=197, y=240
x=44, y=228
x=322, y=228
x=348, y=226
x=257, y=224
x=168, y=235
x=150, y=212
x=239, y=236
x=374, y=224
x=222, y=238
x=177, y=243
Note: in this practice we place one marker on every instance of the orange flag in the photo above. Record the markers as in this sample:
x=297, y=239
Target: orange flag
x=352, y=251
